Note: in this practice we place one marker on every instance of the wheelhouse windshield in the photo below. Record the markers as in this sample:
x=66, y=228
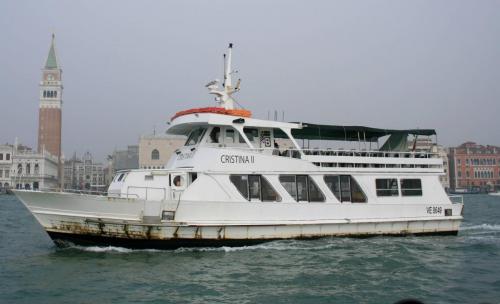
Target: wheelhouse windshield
x=195, y=136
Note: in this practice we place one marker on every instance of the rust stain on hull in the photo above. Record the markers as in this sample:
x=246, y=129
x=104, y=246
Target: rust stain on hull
x=173, y=236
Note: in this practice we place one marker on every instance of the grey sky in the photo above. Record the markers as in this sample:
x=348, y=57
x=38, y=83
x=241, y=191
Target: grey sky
x=128, y=66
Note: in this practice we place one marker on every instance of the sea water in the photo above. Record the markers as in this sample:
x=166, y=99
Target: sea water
x=433, y=269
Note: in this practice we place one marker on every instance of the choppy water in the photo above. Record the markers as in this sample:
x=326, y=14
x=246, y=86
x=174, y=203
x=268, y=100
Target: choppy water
x=444, y=269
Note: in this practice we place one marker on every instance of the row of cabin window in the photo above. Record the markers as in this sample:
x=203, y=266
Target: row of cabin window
x=49, y=94
x=300, y=187
x=390, y=187
x=303, y=188
x=230, y=135
x=255, y=187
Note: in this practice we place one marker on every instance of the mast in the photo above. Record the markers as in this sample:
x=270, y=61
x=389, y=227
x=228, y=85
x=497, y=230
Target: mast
x=224, y=96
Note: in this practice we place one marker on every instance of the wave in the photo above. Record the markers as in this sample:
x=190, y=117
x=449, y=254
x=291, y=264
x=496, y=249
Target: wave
x=491, y=227
x=280, y=245
x=110, y=249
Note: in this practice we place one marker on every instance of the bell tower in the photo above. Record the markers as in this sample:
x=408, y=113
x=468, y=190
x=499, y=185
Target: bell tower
x=50, y=110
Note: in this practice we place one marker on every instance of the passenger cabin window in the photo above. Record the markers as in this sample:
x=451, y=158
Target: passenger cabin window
x=230, y=136
x=411, y=187
x=195, y=136
x=345, y=188
x=225, y=135
x=302, y=188
x=255, y=187
x=194, y=176
x=387, y=187
x=252, y=134
x=214, y=135
x=121, y=177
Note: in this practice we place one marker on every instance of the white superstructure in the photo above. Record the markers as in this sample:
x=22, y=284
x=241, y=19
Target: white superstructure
x=231, y=184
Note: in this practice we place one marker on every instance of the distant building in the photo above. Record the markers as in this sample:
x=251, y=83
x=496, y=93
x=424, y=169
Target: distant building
x=126, y=159
x=155, y=150
x=5, y=166
x=32, y=170
x=85, y=174
x=475, y=166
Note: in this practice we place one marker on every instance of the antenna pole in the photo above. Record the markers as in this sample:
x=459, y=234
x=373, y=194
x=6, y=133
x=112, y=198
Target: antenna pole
x=225, y=69
x=227, y=65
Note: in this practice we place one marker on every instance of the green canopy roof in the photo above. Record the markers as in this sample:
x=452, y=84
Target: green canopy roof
x=51, y=62
x=351, y=133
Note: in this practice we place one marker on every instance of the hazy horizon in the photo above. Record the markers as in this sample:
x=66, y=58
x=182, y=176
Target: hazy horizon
x=129, y=66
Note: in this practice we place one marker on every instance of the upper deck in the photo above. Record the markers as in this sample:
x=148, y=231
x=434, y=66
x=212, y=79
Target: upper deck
x=274, y=139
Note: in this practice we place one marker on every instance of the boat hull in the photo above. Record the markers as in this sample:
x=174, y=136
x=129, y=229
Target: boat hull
x=67, y=239
x=91, y=220
x=172, y=236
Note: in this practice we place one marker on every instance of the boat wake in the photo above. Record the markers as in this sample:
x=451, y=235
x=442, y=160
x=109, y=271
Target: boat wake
x=488, y=227
x=273, y=245
x=108, y=249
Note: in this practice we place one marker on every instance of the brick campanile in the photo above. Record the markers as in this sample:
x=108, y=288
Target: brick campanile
x=50, y=114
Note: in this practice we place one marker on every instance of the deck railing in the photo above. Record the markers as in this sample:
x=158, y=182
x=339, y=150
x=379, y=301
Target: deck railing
x=297, y=153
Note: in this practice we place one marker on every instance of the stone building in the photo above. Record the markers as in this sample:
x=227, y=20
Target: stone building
x=5, y=166
x=155, y=150
x=85, y=174
x=33, y=170
x=474, y=166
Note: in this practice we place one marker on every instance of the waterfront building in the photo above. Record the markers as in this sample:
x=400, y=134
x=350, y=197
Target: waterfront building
x=33, y=170
x=5, y=166
x=474, y=166
x=155, y=150
x=85, y=174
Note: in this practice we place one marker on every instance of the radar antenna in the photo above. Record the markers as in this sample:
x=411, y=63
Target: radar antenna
x=224, y=96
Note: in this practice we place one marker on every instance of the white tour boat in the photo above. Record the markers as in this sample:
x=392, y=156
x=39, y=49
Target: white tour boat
x=240, y=180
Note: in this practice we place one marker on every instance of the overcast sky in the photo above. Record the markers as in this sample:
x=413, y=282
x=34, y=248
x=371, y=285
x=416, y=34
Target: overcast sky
x=129, y=66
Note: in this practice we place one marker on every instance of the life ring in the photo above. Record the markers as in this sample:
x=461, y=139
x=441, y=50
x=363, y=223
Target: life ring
x=215, y=110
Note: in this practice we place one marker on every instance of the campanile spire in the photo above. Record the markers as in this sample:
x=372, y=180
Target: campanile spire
x=51, y=62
